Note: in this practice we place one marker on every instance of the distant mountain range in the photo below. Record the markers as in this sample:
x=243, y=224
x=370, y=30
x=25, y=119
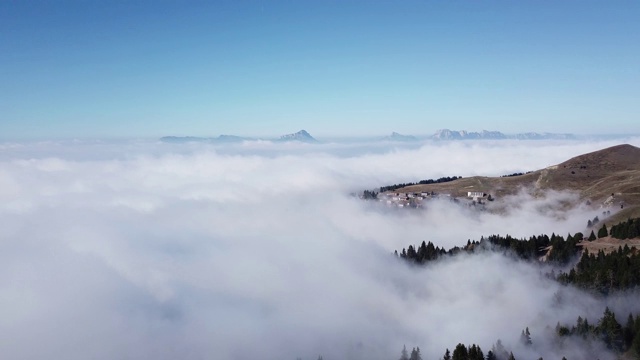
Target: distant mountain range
x=301, y=136
x=446, y=134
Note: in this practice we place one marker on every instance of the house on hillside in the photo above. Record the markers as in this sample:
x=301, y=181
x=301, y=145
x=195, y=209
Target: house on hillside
x=475, y=195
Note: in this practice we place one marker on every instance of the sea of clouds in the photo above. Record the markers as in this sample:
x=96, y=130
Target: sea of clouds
x=141, y=249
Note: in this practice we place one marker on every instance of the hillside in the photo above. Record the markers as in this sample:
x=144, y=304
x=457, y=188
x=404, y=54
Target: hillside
x=594, y=176
x=608, y=244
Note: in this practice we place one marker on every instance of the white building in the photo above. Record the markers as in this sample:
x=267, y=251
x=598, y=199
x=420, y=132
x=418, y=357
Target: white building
x=475, y=195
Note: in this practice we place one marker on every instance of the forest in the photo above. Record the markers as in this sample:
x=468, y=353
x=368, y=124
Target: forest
x=616, y=337
x=602, y=273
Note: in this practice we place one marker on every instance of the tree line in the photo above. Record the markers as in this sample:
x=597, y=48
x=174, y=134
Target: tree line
x=607, y=329
x=615, y=336
x=562, y=250
x=369, y=195
x=598, y=272
x=626, y=230
x=605, y=273
x=421, y=182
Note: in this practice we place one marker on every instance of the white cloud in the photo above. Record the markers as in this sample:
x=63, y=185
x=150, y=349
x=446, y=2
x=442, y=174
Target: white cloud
x=147, y=250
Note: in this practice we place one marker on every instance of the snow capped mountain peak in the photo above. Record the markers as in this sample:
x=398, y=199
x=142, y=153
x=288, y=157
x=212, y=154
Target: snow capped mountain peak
x=446, y=134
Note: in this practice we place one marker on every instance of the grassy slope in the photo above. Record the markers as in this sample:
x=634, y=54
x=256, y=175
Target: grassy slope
x=594, y=176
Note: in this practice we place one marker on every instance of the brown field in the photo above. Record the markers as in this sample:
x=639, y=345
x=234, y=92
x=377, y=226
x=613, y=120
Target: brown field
x=608, y=244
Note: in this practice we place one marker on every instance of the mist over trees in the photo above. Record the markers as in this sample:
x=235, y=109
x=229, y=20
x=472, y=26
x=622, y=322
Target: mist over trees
x=600, y=273
x=605, y=272
x=557, y=249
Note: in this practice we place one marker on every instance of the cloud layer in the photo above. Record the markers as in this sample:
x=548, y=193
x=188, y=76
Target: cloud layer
x=146, y=250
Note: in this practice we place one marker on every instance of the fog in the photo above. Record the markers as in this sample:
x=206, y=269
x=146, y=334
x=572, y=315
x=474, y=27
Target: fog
x=140, y=249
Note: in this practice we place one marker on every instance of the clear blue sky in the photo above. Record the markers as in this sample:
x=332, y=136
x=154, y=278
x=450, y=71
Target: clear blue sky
x=138, y=68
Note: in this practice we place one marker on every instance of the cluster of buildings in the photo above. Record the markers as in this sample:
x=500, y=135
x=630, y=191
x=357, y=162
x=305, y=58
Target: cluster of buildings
x=418, y=199
x=414, y=200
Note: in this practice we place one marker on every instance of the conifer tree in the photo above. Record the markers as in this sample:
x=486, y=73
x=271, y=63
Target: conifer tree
x=447, y=355
x=610, y=330
x=629, y=331
x=475, y=353
x=499, y=350
x=415, y=354
x=404, y=355
x=460, y=352
x=525, y=337
x=603, y=232
x=635, y=346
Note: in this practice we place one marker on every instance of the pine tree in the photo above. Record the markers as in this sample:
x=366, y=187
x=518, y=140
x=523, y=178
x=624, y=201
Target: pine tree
x=415, y=354
x=636, y=345
x=525, y=337
x=629, y=331
x=499, y=350
x=460, y=352
x=603, y=232
x=404, y=355
x=592, y=236
x=472, y=352
x=475, y=353
x=610, y=330
x=447, y=355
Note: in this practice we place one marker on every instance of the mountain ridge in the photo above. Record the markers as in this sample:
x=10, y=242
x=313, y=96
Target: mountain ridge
x=302, y=136
x=609, y=177
x=399, y=137
x=446, y=134
x=440, y=135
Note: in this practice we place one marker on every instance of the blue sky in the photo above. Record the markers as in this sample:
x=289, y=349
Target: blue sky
x=261, y=68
